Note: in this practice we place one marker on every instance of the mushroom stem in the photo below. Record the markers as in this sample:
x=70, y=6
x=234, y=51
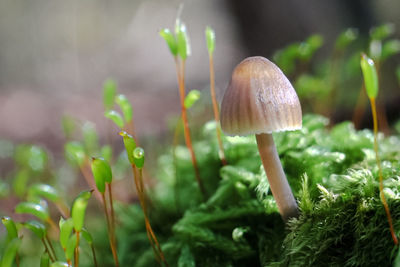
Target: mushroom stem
x=276, y=177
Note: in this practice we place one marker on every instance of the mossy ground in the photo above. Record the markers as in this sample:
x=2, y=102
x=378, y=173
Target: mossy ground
x=332, y=172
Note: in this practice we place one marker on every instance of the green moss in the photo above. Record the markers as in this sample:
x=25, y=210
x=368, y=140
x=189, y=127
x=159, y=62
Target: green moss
x=347, y=228
x=333, y=175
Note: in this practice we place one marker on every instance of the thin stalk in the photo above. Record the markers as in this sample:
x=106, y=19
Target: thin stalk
x=181, y=82
x=144, y=207
x=150, y=230
x=110, y=196
x=110, y=236
x=51, y=247
x=76, y=262
x=216, y=111
x=89, y=179
x=174, y=145
x=378, y=163
x=46, y=248
x=112, y=221
x=94, y=255
x=138, y=175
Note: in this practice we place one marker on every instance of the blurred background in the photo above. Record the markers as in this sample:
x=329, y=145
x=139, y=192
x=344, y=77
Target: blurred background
x=55, y=55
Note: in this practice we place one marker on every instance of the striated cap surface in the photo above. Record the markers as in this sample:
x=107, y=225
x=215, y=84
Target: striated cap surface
x=259, y=99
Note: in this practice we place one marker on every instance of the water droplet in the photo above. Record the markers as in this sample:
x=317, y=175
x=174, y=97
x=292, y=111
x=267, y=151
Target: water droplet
x=138, y=153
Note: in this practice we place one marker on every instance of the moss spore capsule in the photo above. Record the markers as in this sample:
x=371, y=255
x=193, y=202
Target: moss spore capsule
x=370, y=76
x=130, y=145
x=101, y=172
x=138, y=157
x=109, y=91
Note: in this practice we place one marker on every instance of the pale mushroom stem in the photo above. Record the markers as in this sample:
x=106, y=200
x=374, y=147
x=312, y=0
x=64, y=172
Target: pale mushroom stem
x=276, y=177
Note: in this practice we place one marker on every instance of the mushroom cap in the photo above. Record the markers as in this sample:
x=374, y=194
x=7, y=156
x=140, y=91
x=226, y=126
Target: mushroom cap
x=259, y=99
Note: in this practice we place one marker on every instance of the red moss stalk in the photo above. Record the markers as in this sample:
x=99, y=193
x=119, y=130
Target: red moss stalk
x=216, y=110
x=180, y=67
x=378, y=162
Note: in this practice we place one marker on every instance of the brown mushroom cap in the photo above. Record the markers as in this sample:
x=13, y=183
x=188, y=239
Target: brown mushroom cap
x=259, y=99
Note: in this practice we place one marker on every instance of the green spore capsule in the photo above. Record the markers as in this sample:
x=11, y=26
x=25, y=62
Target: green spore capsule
x=345, y=38
x=210, y=39
x=285, y=58
x=101, y=172
x=115, y=117
x=370, y=76
x=33, y=208
x=390, y=48
x=90, y=138
x=87, y=236
x=44, y=190
x=32, y=157
x=79, y=209
x=9, y=253
x=307, y=48
x=192, y=97
x=125, y=106
x=182, y=40
x=130, y=145
x=20, y=182
x=109, y=91
x=383, y=31
x=69, y=252
x=138, y=157
x=170, y=40
x=38, y=228
x=11, y=228
x=75, y=153
x=315, y=41
x=66, y=227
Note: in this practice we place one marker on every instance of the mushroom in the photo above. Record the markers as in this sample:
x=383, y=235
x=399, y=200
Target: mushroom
x=260, y=100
